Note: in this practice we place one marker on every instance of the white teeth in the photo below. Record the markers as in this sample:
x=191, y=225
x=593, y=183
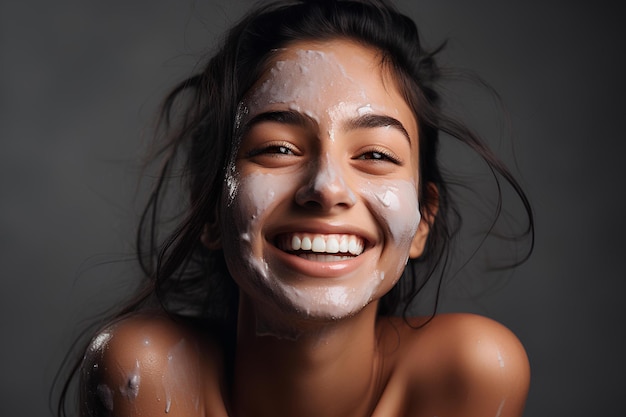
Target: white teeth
x=343, y=244
x=332, y=246
x=352, y=245
x=318, y=245
x=296, y=242
x=323, y=243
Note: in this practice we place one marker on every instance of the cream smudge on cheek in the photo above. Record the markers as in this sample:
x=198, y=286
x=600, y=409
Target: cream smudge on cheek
x=254, y=195
x=395, y=204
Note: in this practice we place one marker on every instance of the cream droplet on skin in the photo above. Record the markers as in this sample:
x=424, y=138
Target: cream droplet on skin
x=181, y=376
x=364, y=110
x=387, y=198
x=131, y=389
x=500, y=359
x=500, y=407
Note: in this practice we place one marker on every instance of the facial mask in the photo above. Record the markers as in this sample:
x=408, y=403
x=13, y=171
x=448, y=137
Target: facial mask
x=316, y=83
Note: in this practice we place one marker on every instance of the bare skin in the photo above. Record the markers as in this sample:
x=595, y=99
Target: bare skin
x=335, y=160
x=456, y=365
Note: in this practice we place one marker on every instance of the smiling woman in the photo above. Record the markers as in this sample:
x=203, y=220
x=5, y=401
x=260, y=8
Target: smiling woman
x=317, y=212
x=319, y=166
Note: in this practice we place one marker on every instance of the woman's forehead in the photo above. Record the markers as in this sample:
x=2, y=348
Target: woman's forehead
x=331, y=79
x=313, y=72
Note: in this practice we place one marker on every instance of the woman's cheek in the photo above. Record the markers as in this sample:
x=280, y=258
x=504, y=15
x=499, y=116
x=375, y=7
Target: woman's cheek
x=256, y=195
x=395, y=206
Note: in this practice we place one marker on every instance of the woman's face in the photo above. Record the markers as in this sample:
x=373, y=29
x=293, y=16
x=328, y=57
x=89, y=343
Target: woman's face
x=321, y=210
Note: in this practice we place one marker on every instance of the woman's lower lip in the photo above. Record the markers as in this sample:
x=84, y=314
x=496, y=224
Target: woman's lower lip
x=316, y=265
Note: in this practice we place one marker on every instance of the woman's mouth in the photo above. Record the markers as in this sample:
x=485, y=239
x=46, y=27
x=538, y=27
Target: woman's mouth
x=321, y=247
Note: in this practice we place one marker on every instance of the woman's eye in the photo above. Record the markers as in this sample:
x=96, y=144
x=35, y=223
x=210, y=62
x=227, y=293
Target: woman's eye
x=283, y=150
x=378, y=156
x=272, y=150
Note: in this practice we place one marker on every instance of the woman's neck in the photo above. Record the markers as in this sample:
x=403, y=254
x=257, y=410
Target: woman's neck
x=325, y=369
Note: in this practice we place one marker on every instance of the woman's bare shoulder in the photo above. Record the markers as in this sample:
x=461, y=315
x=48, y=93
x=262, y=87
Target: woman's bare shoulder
x=152, y=365
x=464, y=364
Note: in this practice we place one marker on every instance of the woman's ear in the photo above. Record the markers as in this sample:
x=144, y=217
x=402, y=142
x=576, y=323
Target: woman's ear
x=431, y=201
x=210, y=236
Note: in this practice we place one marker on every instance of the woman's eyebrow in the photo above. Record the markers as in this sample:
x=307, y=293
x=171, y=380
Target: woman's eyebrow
x=289, y=117
x=369, y=121
x=296, y=118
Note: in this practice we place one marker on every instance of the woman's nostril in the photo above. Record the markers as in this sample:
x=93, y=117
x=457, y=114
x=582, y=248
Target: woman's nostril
x=312, y=205
x=326, y=196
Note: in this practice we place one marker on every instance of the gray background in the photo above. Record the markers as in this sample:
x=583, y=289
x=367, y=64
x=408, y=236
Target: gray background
x=79, y=83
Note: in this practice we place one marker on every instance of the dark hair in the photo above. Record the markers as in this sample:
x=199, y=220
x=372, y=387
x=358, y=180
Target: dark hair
x=198, y=121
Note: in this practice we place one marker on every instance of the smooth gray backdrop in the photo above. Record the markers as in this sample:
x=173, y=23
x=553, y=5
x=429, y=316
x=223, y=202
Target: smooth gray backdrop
x=79, y=83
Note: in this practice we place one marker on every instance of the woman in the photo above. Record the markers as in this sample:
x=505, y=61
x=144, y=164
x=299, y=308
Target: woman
x=317, y=212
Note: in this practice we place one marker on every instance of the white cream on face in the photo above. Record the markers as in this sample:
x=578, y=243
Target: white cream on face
x=316, y=84
x=308, y=83
x=304, y=83
x=327, y=178
x=257, y=195
x=397, y=207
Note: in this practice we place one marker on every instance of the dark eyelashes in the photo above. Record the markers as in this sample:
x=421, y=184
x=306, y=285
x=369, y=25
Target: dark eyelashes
x=281, y=148
x=379, y=155
x=284, y=150
x=271, y=150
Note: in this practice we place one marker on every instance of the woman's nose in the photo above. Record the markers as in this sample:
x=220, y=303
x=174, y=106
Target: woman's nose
x=325, y=187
